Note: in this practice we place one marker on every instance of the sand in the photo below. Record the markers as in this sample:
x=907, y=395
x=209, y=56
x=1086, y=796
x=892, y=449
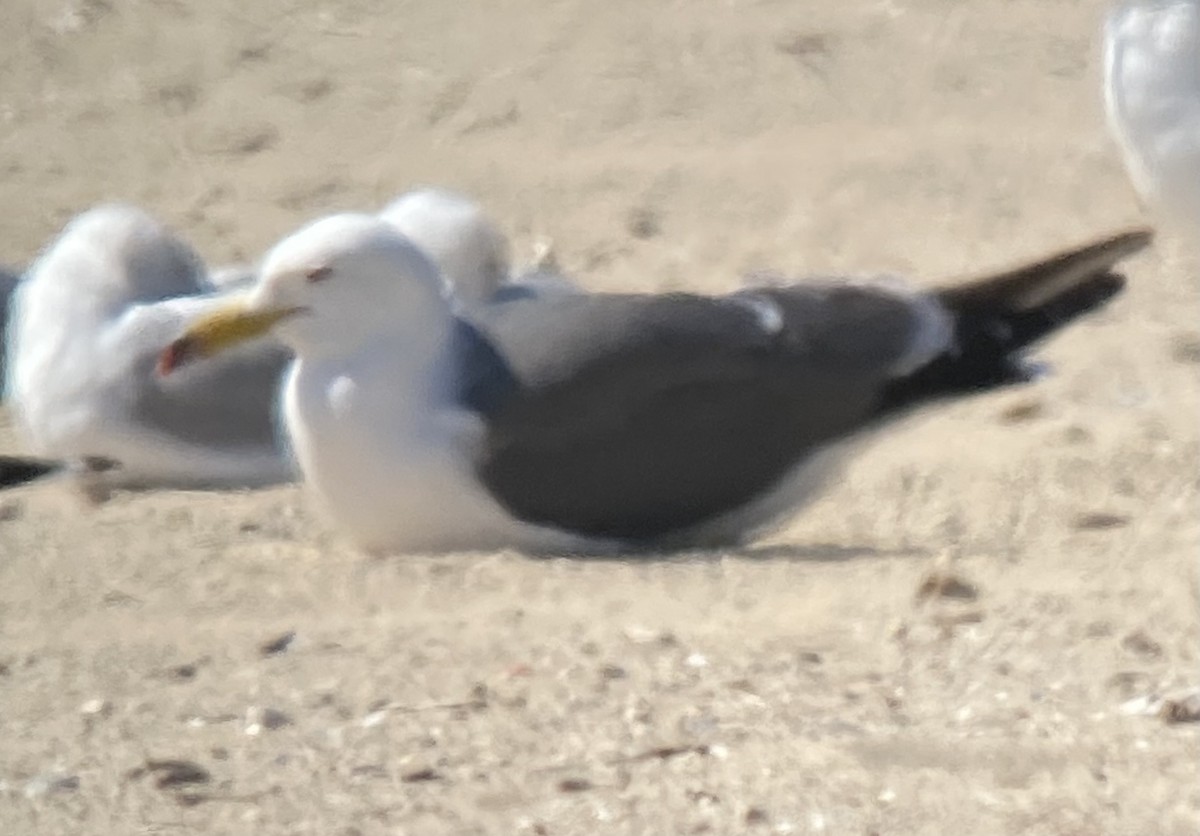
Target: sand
x=801, y=686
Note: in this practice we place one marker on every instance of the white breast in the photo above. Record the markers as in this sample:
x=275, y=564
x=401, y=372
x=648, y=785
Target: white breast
x=392, y=465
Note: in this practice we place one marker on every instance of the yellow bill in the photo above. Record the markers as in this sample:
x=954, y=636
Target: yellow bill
x=219, y=331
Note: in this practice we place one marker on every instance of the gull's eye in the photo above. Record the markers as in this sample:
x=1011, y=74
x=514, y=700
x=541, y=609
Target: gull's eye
x=318, y=274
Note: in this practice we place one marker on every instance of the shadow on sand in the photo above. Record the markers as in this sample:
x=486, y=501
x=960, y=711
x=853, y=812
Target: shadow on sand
x=781, y=552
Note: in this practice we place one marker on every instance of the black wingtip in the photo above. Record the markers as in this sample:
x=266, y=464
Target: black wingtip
x=998, y=316
x=21, y=470
x=1033, y=283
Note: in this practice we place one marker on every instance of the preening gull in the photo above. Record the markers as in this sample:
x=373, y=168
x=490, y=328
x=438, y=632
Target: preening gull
x=598, y=421
x=88, y=323
x=1152, y=99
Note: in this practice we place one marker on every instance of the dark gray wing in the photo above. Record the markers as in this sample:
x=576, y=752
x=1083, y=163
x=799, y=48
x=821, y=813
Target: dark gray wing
x=634, y=416
x=638, y=416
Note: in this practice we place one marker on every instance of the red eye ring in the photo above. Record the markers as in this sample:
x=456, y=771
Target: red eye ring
x=319, y=274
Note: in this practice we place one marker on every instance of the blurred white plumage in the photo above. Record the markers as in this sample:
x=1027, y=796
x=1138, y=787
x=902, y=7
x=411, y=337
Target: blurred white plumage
x=470, y=250
x=1152, y=96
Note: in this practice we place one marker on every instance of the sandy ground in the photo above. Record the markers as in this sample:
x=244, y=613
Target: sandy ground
x=798, y=687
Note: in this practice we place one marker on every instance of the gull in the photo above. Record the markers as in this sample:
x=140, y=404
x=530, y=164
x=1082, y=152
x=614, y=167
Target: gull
x=88, y=321
x=609, y=422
